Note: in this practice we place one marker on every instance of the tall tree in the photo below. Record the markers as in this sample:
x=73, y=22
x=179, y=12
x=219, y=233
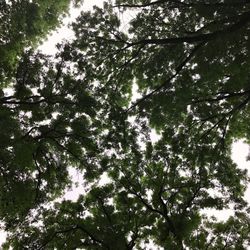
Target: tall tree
x=168, y=50
x=190, y=62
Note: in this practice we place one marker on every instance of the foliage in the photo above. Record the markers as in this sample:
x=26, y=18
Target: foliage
x=23, y=24
x=190, y=62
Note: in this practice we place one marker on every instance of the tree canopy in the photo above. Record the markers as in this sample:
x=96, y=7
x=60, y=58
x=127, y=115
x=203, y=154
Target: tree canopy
x=23, y=24
x=190, y=62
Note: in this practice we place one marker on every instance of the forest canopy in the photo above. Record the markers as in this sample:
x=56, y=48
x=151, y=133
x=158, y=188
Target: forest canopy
x=189, y=61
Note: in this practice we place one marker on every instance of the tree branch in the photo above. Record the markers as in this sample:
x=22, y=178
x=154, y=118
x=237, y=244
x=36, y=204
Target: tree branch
x=205, y=37
x=179, y=4
x=168, y=81
x=221, y=97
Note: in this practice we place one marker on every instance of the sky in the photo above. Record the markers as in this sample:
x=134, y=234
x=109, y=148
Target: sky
x=240, y=150
x=48, y=47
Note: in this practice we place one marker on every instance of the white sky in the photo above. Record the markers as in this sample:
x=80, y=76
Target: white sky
x=240, y=150
x=48, y=47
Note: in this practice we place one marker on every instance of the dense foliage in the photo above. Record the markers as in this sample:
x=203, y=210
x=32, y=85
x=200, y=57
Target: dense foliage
x=22, y=25
x=190, y=61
